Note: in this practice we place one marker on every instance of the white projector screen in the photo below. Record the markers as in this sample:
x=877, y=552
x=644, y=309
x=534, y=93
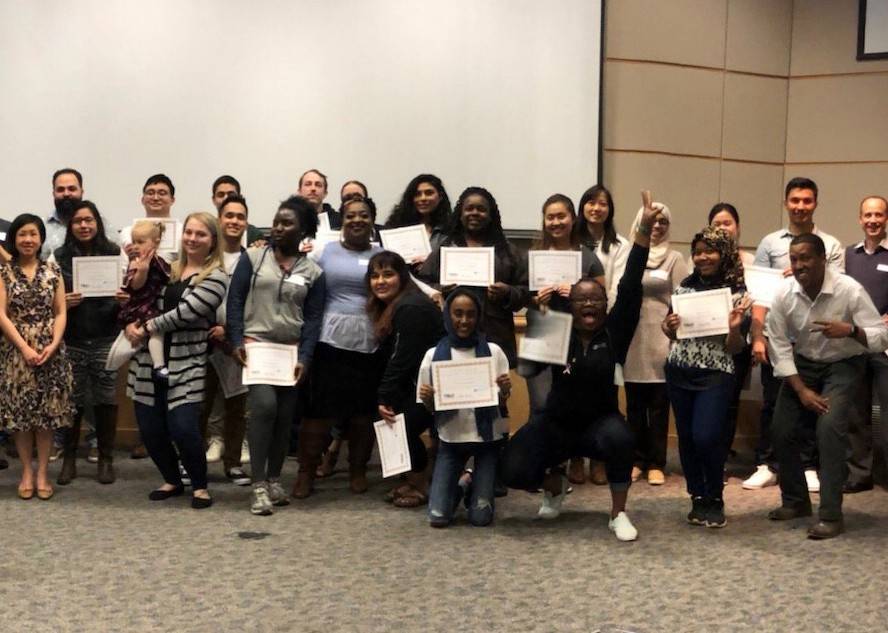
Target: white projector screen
x=498, y=93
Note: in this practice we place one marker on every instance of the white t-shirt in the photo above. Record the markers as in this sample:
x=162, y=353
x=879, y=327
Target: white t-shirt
x=462, y=428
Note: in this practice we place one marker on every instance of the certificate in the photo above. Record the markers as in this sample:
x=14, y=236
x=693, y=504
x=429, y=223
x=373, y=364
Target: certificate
x=703, y=313
x=550, y=268
x=464, y=384
x=96, y=276
x=467, y=266
x=763, y=283
x=547, y=338
x=270, y=364
x=172, y=233
x=410, y=242
x=392, y=442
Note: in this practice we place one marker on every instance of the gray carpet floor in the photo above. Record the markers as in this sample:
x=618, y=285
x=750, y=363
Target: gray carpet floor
x=105, y=558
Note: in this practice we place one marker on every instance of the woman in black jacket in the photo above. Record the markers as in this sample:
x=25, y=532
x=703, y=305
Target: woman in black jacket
x=407, y=323
x=90, y=330
x=582, y=415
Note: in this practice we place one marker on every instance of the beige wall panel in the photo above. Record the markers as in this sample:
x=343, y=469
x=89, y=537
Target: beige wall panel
x=759, y=34
x=664, y=108
x=755, y=118
x=841, y=189
x=688, y=186
x=678, y=31
x=838, y=118
x=824, y=39
x=757, y=192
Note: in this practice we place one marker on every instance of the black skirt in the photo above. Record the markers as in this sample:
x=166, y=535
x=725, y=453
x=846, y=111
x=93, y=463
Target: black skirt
x=343, y=383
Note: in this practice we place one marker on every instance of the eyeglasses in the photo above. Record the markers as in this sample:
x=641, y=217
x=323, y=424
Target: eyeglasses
x=581, y=301
x=86, y=220
x=156, y=193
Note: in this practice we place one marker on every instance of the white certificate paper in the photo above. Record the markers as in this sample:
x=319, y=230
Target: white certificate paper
x=763, y=283
x=550, y=268
x=96, y=276
x=392, y=442
x=410, y=242
x=172, y=233
x=547, y=338
x=703, y=313
x=464, y=384
x=270, y=364
x=467, y=266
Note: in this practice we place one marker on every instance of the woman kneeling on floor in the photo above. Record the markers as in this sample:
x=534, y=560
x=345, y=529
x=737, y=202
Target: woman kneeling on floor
x=582, y=416
x=465, y=433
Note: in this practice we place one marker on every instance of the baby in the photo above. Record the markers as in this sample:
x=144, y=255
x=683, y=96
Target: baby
x=146, y=277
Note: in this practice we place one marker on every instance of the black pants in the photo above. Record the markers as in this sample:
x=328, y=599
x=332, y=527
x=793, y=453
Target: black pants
x=840, y=383
x=647, y=410
x=544, y=442
x=418, y=420
x=764, y=453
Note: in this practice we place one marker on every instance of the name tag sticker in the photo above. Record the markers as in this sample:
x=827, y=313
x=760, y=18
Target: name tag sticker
x=363, y=262
x=882, y=268
x=2, y=235
x=659, y=274
x=296, y=280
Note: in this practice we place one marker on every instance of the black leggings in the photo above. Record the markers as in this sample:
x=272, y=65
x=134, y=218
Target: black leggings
x=418, y=420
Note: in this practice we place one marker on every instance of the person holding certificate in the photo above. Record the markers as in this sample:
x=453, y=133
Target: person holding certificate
x=700, y=375
x=276, y=296
x=647, y=403
x=582, y=415
x=559, y=233
x=477, y=222
x=89, y=332
x=425, y=202
x=35, y=375
x=346, y=367
x=407, y=323
x=476, y=431
x=168, y=411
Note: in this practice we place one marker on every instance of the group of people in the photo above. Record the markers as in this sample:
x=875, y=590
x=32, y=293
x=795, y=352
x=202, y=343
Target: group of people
x=369, y=327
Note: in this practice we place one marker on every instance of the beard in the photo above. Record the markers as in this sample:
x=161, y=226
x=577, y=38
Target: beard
x=65, y=208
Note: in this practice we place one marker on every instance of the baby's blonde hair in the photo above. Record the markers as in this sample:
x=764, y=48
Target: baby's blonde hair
x=148, y=228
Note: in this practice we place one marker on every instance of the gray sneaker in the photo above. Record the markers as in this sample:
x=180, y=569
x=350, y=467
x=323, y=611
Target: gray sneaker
x=261, y=501
x=238, y=477
x=278, y=494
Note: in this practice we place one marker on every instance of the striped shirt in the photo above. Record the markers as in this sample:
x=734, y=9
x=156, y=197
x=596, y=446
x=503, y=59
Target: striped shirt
x=187, y=325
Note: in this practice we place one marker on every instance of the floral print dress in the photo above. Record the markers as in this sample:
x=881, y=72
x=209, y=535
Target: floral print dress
x=33, y=398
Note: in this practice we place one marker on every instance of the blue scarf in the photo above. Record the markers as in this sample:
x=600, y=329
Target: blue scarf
x=484, y=416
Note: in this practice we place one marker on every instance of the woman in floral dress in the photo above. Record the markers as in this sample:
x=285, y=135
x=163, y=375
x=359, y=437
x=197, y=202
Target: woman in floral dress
x=35, y=376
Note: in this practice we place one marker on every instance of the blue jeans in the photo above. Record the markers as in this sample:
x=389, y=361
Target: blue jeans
x=701, y=419
x=161, y=427
x=451, y=460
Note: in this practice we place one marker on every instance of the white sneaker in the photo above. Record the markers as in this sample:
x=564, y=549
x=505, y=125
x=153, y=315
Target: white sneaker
x=551, y=507
x=812, y=480
x=215, y=450
x=278, y=494
x=261, y=505
x=761, y=478
x=622, y=527
x=245, y=452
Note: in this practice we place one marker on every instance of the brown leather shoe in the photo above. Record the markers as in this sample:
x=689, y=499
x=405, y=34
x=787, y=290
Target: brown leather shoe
x=597, y=473
x=106, y=474
x=357, y=480
x=304, y=485
x=576, y=471
x=788, y=513
x=826, y=529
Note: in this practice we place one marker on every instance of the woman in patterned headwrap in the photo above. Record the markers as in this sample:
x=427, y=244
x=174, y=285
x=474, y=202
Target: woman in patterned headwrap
x=700, y=375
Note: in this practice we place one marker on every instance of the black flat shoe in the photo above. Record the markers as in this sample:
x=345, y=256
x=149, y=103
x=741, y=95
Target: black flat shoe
x=163, y=495
x=200, y=503
x=788, y=513
x=826, y=529
x=858, y=486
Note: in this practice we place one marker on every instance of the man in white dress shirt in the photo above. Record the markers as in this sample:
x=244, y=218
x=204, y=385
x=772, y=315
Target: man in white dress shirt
x=821, y=327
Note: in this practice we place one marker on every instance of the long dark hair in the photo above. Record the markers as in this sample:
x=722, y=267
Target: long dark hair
x=381, y=313
x=610, y=233
x=495, y=236
x=545, y=241
x=17, y=224
x=101, y=245
x=405, y=213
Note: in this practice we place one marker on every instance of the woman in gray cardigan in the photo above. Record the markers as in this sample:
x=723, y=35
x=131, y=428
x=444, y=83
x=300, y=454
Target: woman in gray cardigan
x=168, y=411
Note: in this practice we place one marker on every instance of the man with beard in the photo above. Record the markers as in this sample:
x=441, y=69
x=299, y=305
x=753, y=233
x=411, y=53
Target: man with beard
x=67, y=190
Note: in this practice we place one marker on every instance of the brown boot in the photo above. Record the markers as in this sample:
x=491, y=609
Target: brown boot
x=576, y=471
x=106, y=430
x=69, y=463
x=597, y=473
x=360, y=446
x=313, y=434
x=328, y=461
